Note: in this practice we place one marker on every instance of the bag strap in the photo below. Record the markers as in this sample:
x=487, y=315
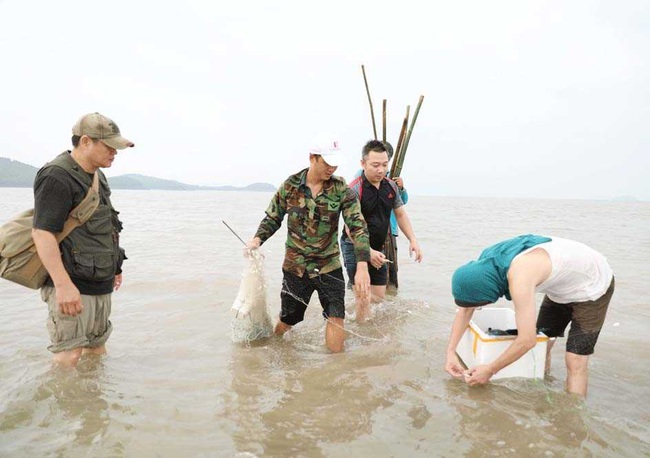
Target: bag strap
x=82, y=212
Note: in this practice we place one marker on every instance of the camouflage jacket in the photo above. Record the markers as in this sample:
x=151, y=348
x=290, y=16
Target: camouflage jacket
x=313, y=224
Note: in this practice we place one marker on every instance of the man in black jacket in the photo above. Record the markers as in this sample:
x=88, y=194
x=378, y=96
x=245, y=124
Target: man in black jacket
x=379, y=196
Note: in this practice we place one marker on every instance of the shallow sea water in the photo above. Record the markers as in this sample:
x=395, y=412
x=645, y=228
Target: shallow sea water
x=174, y=384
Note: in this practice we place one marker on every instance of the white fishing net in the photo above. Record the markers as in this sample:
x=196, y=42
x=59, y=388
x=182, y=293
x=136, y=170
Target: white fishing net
x=251, y=319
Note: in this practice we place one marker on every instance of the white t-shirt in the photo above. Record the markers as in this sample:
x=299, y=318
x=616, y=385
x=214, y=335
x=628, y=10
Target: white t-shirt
x=579, y=273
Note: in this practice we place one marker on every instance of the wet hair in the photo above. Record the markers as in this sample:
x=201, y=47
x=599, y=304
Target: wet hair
x=373, y=146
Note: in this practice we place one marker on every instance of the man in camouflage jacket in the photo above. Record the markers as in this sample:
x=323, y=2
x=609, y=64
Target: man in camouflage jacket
x=313, y=200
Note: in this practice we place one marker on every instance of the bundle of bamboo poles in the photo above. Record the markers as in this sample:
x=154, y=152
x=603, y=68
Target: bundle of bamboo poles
x=399, y=155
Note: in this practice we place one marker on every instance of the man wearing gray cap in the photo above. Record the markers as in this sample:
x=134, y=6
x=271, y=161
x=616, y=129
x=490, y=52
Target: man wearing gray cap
x=86, y=266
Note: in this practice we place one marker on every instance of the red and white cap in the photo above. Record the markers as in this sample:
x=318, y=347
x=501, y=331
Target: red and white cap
x=328, y=146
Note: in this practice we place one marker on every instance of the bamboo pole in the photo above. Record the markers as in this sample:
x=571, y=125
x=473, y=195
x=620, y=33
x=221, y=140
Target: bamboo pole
x=400, y=142
x=390, y=247
x=383, y=116
x=391, y=255
x=372, y=112
x=398, y=168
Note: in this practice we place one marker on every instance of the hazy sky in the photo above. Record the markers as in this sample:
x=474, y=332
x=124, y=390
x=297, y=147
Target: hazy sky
x=522, y=98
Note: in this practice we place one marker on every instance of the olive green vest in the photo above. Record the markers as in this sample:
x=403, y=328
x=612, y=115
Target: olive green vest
x=91, y=251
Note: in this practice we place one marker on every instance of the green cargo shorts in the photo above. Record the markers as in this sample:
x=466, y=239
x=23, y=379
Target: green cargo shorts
x=90, y=329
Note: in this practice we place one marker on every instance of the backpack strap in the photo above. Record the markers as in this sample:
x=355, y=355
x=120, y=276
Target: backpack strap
x=31, y=272
x=78, y=216
x=82, y=212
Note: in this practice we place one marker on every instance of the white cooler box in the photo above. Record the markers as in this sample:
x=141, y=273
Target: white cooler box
x=477, y=347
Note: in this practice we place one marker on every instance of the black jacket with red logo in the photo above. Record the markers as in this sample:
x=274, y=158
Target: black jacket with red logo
x=376, y=205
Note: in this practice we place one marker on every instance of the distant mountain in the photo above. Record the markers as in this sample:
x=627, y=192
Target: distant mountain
x=260, y=187
x=14, y=174
x=136, y=181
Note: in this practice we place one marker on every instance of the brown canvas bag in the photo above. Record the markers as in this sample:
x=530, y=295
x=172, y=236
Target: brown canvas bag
x=19, y=261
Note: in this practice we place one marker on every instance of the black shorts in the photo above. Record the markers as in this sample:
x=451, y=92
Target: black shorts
x=378, y=277
x=296, y=293
x=586, y=319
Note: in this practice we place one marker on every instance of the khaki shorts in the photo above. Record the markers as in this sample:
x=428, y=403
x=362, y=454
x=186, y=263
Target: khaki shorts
x=88, y=330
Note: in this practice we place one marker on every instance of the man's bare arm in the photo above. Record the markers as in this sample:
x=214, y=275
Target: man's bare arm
x=405, y=225
x=461, y=321
x=525, y=273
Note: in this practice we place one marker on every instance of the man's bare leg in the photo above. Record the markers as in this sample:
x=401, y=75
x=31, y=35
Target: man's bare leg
x=577, y=373
x=281, y=328
x=378, y=293
x=68, y=358
x=547, y=366
x=95, y=350
x=335, y=334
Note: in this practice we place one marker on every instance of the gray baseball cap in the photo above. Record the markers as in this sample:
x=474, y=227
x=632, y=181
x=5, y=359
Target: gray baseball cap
x=99, y=127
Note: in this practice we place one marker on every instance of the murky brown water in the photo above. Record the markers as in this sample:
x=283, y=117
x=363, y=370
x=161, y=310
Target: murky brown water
x=175, y=385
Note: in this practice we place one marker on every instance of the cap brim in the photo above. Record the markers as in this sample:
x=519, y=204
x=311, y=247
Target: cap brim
x=334, y=160
x=118, y=142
